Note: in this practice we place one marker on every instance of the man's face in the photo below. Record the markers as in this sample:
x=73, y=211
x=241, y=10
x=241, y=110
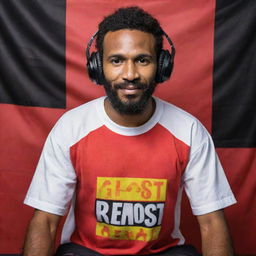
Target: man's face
x=129, y=65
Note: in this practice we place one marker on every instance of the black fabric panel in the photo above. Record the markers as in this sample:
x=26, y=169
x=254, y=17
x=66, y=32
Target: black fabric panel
x=234, y=88
x=32, y=50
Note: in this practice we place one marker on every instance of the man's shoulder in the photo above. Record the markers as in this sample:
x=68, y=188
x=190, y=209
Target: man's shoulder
x=78, y=122
x=181, y=124
x=83, y=110
x=176, y=114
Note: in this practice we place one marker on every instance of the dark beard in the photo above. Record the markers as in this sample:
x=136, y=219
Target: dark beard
x=129, y=108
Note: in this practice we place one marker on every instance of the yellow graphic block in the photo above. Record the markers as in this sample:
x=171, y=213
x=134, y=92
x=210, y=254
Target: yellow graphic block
x=127, y=232
x=131, y=189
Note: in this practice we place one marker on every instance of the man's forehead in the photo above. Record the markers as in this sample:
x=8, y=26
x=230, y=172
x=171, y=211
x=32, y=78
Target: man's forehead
x=127, y=40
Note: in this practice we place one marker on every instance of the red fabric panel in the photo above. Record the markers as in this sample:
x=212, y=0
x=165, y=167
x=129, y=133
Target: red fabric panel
x=23, y=132
x=191, y=27
x=240, y=167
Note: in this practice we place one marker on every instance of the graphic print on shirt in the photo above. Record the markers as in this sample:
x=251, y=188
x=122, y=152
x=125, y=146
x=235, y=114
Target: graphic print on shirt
x=129, y=208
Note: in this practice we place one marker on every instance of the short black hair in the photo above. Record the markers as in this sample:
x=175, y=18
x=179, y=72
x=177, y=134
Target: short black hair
x=130, y=18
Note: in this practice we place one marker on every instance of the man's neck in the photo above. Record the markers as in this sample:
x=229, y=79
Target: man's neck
x=130, y=120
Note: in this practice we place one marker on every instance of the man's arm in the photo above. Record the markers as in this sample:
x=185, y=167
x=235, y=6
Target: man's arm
x=216, y=240
x=41, y=234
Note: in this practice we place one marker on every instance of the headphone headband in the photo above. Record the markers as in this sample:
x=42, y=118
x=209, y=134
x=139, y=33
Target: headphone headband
x=90, y=44
x=170, y=43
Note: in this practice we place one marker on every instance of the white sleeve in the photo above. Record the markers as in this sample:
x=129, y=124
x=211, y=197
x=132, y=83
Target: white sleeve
x=54, y=181
x=204, y=179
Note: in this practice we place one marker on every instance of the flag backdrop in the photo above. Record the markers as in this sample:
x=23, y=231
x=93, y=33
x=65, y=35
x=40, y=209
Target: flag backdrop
x=42, y=75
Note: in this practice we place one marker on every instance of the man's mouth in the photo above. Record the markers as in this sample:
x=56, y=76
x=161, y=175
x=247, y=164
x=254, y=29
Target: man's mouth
x=130, y=86
x=130, y=89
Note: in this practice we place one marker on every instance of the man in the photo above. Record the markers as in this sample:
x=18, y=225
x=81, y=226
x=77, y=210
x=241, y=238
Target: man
x=118, y=164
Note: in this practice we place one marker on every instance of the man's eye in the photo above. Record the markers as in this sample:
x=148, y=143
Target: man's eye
x=143, y=61
x=116, y=61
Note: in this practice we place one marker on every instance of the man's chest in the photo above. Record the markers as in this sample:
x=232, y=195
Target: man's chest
x=156, y=154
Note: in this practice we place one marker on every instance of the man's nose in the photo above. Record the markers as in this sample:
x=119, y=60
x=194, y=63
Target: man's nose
x=130, y=71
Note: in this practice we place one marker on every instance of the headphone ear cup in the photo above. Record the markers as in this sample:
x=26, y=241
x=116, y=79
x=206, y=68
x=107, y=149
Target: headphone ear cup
x=100, y=73
x=94, y=67
x=165, y=66
x=160, y=67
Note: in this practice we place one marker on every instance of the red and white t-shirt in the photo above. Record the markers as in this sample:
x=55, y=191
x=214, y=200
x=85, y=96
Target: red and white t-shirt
x=122, y=186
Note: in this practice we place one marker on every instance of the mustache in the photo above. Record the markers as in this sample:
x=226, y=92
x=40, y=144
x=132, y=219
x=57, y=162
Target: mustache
x=136, y=84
